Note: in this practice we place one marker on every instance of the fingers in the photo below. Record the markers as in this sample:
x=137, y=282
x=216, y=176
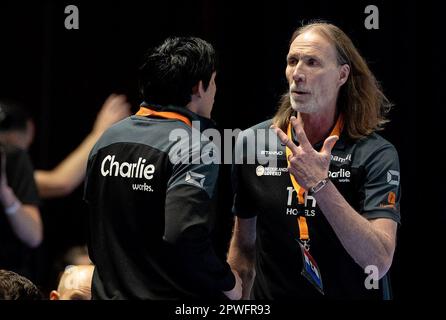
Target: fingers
x=118, y=105
x=117, y=100
x=329, y=144
x=109, y=100
x=284, y=139
x=300, y=133
x=293, y=171
x=115, y=108
x=114, y=100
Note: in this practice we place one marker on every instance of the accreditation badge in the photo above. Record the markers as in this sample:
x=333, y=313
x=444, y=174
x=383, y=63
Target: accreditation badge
x=310, y=270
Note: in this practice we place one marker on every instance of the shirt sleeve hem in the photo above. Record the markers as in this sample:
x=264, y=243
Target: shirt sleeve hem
x=382, y=213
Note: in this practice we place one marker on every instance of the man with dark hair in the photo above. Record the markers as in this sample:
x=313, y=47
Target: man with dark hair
x=325, y=222
x=16, y=287
x=151, y=208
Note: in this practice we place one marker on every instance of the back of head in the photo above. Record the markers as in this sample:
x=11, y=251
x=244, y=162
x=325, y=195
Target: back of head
x=171, y=70
x=75, y=283
x=16, y=125
x=12, y=116
x=15, y=287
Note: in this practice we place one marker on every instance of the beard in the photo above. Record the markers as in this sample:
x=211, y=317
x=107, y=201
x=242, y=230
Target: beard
x=301, y=104
x=304, y=107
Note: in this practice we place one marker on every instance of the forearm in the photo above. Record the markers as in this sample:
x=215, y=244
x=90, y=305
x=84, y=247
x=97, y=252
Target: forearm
x=245, y=266
x=69, y=174
x=241, y=258
x=25, y=221
x=366, y=244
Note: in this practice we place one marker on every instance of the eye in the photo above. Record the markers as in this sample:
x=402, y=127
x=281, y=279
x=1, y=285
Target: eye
x=292, y=61
x=312, y=62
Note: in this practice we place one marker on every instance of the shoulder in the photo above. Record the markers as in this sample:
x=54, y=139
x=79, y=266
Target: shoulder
x=13, y=151
x=155, y=133
x=15, y=156
x=374, y=142
x=374, y=148
x=254, y=130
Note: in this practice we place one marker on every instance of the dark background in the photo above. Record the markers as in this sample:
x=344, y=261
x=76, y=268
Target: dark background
x=63, y=77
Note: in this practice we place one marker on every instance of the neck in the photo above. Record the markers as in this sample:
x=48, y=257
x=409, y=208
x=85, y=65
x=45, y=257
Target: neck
x=196, y=109
x=318, y=126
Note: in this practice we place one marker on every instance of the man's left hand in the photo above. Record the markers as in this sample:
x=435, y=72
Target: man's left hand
x=307, y=165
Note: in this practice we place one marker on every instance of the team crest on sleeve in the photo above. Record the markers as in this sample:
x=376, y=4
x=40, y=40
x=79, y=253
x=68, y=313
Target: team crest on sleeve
x=196, y=179
x=393, y=177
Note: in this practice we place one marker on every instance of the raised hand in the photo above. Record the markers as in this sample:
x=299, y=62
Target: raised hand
x=307, y=165
x=115, y=108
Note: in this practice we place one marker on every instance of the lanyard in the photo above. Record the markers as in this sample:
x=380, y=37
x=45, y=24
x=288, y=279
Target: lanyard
x=304, y=235
x=146, y=111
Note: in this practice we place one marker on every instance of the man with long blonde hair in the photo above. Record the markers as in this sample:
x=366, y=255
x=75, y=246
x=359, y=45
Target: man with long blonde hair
x=323, y=221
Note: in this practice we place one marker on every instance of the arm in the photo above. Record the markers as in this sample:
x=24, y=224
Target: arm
x=24, y=219
x=241, y=256
x=369, y=242
x=236, y=292
x=63, y=179
x=187, y=228
x=189, y=220
x=27, y=224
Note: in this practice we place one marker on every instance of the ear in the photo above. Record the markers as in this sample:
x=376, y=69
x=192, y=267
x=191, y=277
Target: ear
x=343, y=74
x=198, y=89
x=54, y=295
x=195, y=89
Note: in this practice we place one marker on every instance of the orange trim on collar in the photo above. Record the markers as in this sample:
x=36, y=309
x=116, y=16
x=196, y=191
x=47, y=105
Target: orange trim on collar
x=146, y=111
x=338, y=127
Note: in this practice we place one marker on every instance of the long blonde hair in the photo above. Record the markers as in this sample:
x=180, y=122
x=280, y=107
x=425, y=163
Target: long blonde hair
x=361, y=100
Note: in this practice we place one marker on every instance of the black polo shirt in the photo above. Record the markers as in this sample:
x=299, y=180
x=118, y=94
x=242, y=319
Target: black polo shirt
x=151, y=212
x=366, y=173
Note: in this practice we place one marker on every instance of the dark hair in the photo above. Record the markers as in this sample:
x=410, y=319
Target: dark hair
x=171, y=70
x=16, y=287
x=12, y=116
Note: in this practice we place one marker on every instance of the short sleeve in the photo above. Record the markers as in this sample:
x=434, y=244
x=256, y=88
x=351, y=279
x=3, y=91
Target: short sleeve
x=382, y=190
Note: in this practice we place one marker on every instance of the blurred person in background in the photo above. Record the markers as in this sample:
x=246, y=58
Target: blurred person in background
x=74, y=284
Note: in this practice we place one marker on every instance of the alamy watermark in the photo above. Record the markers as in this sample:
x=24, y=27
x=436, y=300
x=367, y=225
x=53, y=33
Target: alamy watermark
x=372, y=280
x=72, y=19
x=372, y=20
x=250, y=146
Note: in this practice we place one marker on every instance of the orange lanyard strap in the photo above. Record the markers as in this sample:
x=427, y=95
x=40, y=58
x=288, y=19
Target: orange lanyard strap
x=302, y=221
x=303, y=227
x=145, y=111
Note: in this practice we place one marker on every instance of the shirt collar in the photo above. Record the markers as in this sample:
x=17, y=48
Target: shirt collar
x=336, y=131
x=205, y=123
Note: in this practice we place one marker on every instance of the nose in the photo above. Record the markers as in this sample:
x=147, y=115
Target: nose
x=298, y=74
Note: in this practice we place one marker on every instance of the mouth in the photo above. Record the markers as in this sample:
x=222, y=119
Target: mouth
x=299, y=92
